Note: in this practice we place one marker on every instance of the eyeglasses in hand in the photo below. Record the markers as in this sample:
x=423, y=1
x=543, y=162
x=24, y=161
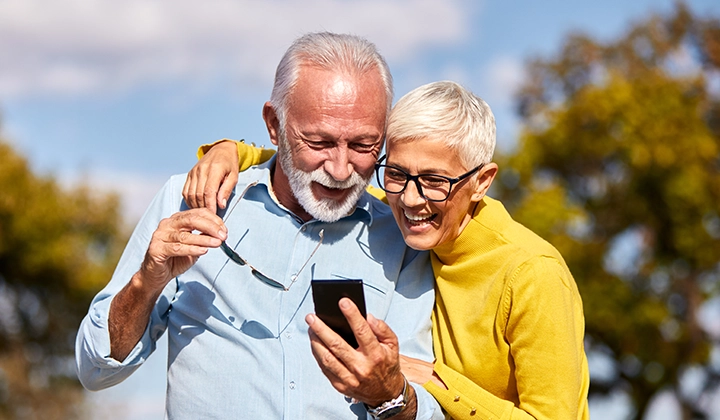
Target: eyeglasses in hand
x=235, y=257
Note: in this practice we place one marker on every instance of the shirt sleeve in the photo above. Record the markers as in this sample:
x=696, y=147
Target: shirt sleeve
x=95, y=368
x=544, y=319
x=414, y=294
x=248, y=154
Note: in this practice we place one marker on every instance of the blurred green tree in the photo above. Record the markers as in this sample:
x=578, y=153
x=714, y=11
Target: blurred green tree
x=618, y=165
x=57, y=248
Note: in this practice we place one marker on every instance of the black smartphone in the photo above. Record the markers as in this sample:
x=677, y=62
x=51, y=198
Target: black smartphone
x=327, y=294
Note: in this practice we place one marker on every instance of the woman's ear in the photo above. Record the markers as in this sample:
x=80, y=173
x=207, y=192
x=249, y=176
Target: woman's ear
x=271, y=122
x=484, y=180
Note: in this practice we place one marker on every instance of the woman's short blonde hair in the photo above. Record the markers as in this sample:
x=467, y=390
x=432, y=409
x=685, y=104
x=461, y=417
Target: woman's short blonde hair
x=446, y=112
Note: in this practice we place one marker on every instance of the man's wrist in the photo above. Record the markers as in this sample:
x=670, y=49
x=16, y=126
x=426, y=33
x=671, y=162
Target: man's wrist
x=128, y=317
x=142, y=288
x=393, y=407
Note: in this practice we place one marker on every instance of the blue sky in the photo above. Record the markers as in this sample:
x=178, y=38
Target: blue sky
x=120, y=94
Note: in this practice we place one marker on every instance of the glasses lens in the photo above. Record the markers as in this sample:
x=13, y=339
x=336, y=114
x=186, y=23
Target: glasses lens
x=231, y=254
x=435, y=188
x=267, y=280
x=391, y=179
x=241, y=261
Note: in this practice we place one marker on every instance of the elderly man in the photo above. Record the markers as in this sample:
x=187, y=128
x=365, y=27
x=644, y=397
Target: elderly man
x=233, y=291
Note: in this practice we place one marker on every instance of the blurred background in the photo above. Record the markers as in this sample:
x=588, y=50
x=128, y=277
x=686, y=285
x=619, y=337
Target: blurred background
x=608, y=119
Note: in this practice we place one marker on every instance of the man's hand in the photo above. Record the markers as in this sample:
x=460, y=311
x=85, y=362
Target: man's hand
x=178, y=242
x=212, y=179
x=175, y=246
x=370, y=373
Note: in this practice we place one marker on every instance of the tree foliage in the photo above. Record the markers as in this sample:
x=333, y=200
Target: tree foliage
x=57, y=247
x=618, y=165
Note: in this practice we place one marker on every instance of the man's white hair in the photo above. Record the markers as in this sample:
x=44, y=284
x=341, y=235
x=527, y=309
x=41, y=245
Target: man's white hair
x=330, y=51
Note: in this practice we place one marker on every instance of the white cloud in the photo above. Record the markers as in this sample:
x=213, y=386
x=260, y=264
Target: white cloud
x=501, y=80
x=100, y=46
x=496, y=83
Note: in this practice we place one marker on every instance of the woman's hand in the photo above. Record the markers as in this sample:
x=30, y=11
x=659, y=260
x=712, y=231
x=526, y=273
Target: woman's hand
x=419, y=371
x=213, y=178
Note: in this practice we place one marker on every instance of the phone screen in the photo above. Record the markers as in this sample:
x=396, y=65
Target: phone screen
x=327, y=294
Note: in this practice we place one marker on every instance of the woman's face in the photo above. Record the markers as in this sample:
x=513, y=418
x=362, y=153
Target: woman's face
x=427, y=224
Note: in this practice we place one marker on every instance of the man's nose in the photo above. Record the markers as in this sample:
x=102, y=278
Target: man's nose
x=338, y=164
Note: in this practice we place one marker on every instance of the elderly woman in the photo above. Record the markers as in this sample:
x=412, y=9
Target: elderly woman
x=508, y=322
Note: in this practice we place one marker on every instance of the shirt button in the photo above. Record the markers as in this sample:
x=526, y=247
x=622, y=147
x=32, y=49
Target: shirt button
x=292, y=384
x=288, y=335
x=303, y=229
x=473, y=411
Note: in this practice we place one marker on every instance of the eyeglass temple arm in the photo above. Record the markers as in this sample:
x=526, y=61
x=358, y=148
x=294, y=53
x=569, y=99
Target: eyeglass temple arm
x=322, y=235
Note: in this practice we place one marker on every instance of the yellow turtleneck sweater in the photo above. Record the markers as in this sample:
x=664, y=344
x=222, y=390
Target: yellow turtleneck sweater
x=508, y=323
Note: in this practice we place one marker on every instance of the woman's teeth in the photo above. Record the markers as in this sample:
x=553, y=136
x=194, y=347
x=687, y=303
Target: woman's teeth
x=417, y=219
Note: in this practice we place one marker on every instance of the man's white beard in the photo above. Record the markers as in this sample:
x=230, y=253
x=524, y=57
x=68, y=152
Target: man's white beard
x=325, y=209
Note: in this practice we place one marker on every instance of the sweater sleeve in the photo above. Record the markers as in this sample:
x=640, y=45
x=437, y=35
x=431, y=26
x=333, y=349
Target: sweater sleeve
x=544, y=327
x=377, y=193
x=248, y=154
x=465, y=399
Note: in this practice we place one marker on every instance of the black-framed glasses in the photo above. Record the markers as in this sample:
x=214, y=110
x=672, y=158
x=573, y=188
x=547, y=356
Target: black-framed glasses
x=431, y=187
x=236, y=258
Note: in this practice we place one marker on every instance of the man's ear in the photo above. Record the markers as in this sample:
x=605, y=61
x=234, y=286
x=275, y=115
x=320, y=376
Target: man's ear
x=271, y=122
x=484, y=180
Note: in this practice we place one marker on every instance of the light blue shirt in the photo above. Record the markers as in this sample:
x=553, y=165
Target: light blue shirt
x=239, y=348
